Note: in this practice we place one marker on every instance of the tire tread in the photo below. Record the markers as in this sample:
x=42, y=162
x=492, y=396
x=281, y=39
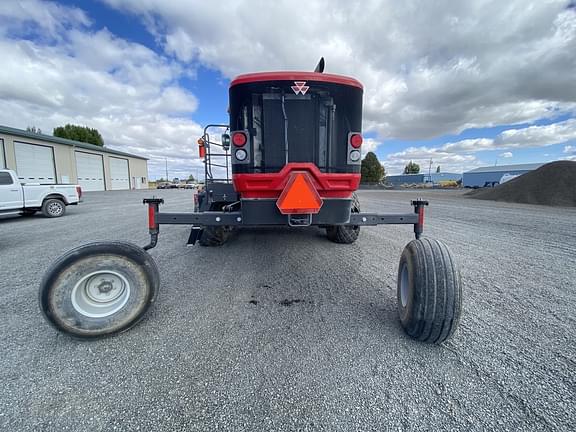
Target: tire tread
x=345, y=234
x=437, y=294
x=213, y=236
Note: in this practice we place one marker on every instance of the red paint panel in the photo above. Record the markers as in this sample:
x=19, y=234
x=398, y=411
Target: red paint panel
x=296, y=76
x=151, y=217
x=271, y=185
x=421, y=216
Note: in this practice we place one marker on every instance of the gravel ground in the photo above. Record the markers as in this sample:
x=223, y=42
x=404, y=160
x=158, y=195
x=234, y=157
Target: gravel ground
x=282, y=330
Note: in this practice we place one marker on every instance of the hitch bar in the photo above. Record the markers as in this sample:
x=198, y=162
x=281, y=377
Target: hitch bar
x=153, y=225
x=220, y=218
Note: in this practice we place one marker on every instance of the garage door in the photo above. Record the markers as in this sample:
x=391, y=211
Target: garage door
x=119, y=173
x=34, y=163
x=90, y=171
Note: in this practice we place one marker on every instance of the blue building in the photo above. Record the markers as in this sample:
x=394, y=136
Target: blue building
x=488, y=176
x=435, y=178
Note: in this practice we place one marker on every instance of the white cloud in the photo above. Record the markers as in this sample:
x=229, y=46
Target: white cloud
x=570, y=149
x=370, y=145
x=429, y=69
x=460, y=155
x=538, y=136
x=49, y=19
x=449, y=162
x=90, y=77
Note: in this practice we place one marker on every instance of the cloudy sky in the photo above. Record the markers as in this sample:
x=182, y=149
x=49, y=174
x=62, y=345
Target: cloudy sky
x=463, y=84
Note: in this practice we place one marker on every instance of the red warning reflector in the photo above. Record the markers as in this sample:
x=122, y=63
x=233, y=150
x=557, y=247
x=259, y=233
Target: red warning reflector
x=299, y=196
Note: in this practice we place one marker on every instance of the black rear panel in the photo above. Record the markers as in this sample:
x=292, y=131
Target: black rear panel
x=285, y=127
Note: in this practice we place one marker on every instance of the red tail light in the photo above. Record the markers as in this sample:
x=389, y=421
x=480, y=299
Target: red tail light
x=79, y=191
x=239, y=139
x=356, y=140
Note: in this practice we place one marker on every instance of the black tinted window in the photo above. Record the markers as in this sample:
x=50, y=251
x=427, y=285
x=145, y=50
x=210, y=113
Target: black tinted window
x=5, y=178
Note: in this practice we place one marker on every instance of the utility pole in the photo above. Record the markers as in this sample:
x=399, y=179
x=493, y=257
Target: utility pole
x=430, y=171
x=166, y=160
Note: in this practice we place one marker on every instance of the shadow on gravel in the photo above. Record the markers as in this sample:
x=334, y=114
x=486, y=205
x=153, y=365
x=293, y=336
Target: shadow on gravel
x=15, y=219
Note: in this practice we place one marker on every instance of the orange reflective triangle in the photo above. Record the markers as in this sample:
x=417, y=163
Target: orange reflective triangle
x=299, y=196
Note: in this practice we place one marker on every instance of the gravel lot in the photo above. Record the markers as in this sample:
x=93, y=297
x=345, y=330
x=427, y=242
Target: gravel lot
x=282, y=330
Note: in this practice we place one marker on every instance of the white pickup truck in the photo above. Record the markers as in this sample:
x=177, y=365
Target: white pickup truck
x=28, y=198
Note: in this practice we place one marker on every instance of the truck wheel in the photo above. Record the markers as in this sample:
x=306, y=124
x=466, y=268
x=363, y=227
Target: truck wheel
x=53, y=207
x=429, y=291
x=345, y=234
x=99, y=289
x=214, y=235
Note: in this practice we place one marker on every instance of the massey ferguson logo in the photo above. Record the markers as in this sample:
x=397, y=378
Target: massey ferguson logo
x=300, y=87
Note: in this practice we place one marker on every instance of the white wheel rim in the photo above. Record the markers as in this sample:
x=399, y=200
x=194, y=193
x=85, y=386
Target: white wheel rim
x=100, y=294
x=55, y=208
x=404, y=285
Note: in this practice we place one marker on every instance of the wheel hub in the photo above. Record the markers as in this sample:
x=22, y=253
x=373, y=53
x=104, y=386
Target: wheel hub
x=100, y=294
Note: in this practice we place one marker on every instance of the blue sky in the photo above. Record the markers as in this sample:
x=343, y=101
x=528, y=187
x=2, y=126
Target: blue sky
x=463, y=85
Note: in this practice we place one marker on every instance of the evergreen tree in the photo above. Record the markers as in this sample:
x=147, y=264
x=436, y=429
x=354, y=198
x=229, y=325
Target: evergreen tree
x=372, y=170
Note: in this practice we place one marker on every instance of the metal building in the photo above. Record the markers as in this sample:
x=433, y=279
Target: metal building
x=489, y=176
x=434, y=178
x=39, y=158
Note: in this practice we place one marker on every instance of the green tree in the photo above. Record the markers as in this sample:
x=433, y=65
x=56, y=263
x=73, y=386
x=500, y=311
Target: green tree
x=412, y=168
x=438, y=169
x=33, y=129
x=371, y=169
x=79, y=133
x=191, y=178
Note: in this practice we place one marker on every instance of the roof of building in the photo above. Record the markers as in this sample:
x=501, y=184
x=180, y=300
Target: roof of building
x=425, y=174
x=49, y=138
x=503, y=168
x=405, y=175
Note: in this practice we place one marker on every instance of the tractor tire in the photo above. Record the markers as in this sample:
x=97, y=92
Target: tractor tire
x=429, y=291
x=214, y=236
x=99, y=289
x=53, y=208
x=345, y=234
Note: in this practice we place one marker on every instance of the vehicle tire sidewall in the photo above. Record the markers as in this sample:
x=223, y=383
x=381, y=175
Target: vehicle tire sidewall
x=58, y=284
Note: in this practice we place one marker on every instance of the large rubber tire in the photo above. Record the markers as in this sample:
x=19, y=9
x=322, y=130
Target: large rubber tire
x=344, y=234
x=53, y=208
x=429, y=291
x=75, y=291
x=214, y=236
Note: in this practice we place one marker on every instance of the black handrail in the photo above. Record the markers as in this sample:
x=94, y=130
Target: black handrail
x=208, y=164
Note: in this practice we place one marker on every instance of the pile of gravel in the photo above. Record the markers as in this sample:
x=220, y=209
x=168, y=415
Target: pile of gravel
x=553, y=184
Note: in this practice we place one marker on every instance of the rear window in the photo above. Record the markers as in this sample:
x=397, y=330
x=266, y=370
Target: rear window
x=5, y=178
